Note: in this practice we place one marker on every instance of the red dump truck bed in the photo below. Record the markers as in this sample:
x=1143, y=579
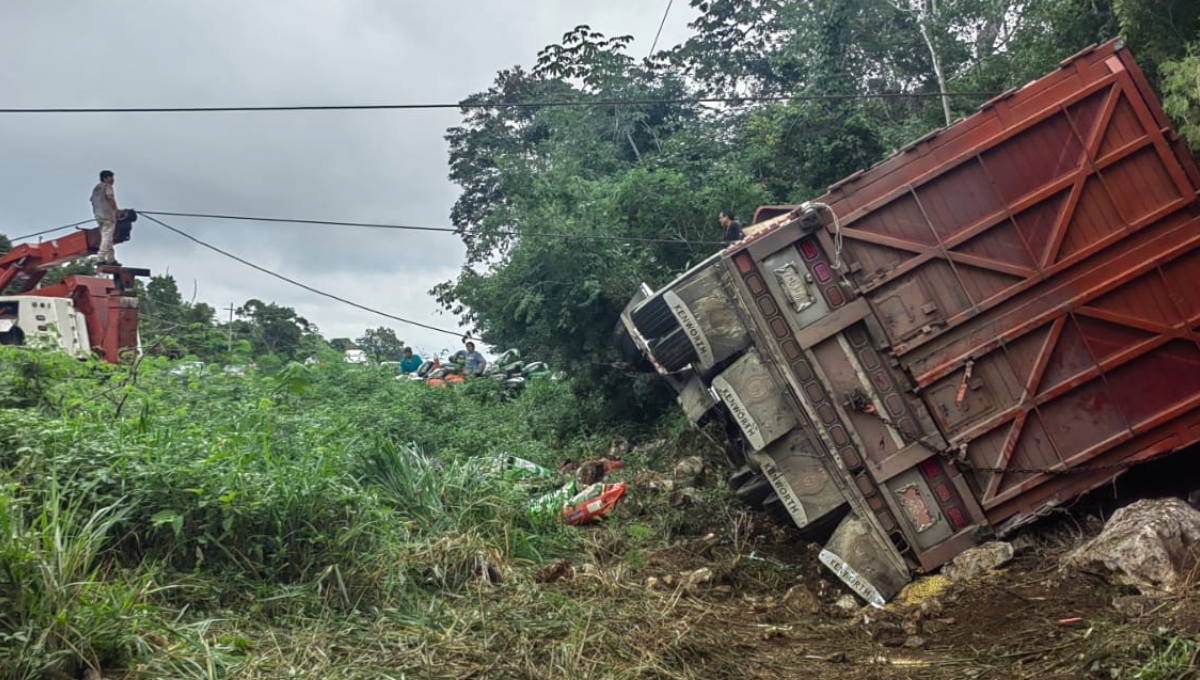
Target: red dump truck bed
x=1001, y=317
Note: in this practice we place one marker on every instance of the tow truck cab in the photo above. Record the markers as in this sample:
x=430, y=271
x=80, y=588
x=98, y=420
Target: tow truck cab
x=41, y=321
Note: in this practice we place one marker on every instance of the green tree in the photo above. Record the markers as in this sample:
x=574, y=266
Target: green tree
x=381, y=344
x=275, y=330
x=342, y=344
x=175, y=328
x=1181, y=87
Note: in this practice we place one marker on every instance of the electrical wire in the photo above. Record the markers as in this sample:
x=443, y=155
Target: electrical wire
x=50, y=231
x=309, y=288
x=582, y=103
x=410, y=227
x=660, y=27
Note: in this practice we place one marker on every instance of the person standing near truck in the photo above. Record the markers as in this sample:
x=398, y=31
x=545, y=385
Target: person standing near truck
x=104, y=208
x=732, y=228
x=410, y=363
x=473, y=362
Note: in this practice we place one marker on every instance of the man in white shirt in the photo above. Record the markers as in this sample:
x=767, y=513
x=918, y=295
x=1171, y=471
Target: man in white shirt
x=104, y=207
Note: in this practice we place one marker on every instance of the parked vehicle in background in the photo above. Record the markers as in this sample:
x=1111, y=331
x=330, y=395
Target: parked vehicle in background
x=189, y=368
x=356, y=356
x=915, y=361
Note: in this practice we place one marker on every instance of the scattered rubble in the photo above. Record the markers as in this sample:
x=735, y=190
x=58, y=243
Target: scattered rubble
x=1150, y=545
x=978, y=561
x=847, y=605
x=800, y=600
x=553, y=572
x=688, y=472
x=690, y=580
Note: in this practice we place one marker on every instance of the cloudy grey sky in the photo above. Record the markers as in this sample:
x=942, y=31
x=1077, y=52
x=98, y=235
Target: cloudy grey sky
x=385, y=166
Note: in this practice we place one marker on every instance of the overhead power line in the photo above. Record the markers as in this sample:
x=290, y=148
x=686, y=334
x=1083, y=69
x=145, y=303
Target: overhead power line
x=51, y=231
x=662, y=23
x=309, y=288
x=379, y=225
x=413, y=227
x=580, y=103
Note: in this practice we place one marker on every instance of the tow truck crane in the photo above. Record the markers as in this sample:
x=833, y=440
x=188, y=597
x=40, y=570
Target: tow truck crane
x=84, y=315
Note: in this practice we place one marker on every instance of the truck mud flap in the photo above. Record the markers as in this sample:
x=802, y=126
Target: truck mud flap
x=695, y=399
x=754, y=399
x=801, y=480
x=864, y=561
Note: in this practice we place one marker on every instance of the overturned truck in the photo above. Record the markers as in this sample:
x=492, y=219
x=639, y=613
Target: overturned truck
x=993, y=321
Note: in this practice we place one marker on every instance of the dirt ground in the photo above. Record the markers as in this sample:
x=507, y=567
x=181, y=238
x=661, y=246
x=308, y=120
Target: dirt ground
x=764, y=609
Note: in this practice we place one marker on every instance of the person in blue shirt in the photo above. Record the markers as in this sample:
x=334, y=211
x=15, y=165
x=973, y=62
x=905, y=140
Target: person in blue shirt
x=474, y=362
x=410, y=363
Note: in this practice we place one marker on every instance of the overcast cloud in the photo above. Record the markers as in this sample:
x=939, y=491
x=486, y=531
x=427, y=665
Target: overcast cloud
x=386, y=166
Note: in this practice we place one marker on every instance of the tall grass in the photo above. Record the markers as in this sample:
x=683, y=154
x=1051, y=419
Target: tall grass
x=59, y=605
x=317, y=491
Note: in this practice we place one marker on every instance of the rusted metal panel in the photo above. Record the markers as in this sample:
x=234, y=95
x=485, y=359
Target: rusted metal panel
x=1033, y=269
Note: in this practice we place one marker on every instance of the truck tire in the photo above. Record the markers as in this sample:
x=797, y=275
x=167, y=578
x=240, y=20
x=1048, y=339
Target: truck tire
x=654, y=319
x=740, y=477
x=674, y=352
x=754, y=492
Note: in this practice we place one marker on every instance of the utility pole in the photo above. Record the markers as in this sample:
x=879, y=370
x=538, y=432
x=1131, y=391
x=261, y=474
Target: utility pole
x=230, y=351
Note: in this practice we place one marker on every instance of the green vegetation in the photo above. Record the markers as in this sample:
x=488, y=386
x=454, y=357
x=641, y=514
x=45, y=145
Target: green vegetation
x=330, y=521
x=140, y=511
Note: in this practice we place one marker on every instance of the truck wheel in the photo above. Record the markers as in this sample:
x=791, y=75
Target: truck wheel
x=654, y=319
x=739, y=478
x=754, y=492
x=675, y=351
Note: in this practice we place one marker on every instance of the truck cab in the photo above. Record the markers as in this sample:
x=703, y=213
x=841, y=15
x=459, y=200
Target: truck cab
x=40, y=321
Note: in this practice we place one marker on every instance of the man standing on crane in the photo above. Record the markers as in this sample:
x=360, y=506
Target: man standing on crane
x=104, y=207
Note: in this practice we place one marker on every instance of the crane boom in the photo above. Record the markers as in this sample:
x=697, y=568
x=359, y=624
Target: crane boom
x=88, y=314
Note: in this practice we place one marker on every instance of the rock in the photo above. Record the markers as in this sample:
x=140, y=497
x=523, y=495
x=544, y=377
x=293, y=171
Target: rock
x=618, y=448
x=847, y=604
x=800, y=600
x=1133, y=606
x=1024, y=543
x=688, y=471
x=931, y=608
x=1149, y=545
x=690, y=580
x=915, y=642
x=978, y=561
x=682, y=498
x=553, y=572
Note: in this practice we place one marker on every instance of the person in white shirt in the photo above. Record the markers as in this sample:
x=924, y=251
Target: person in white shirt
x=104, y=207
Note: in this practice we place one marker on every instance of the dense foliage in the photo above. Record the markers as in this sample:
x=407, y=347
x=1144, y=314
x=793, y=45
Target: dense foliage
x=329, y=488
